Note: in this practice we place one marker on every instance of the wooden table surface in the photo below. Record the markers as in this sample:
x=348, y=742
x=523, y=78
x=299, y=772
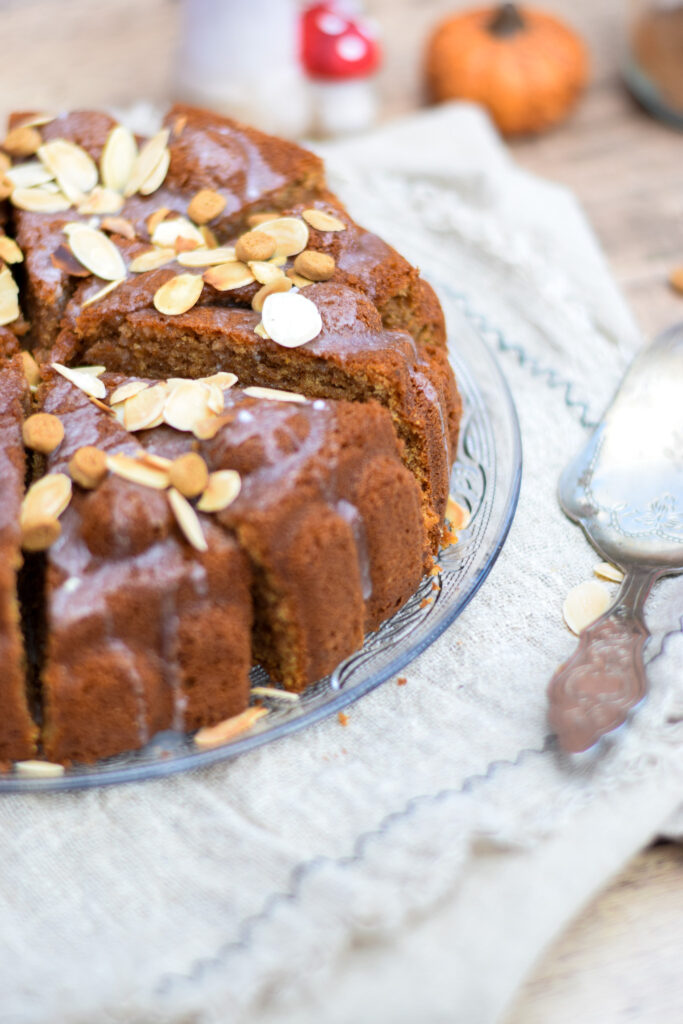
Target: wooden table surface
x=620, y=961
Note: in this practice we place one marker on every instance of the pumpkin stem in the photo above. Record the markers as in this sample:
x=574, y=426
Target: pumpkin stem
x=506, y=21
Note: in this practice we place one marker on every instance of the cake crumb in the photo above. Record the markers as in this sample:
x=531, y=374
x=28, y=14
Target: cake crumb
x=425, y=601
x=401, y=681
x=343, y=719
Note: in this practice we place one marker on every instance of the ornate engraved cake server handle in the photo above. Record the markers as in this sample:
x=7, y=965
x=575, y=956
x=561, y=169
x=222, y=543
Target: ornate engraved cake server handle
x=593, y=692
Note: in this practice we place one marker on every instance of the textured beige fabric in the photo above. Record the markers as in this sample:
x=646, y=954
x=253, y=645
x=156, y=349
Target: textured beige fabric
x=411, y=865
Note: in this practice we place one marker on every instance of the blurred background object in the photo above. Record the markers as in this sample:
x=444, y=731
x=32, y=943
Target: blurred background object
x=527, y=67
x=654, y=64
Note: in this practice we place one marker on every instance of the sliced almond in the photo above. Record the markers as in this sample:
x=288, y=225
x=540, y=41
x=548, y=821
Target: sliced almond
x=10, y=251
x=205, y=205
x=187, y=520
x=290, y=234
x=64, y=259
x=94, y=370
x=178, y=294
x=87, y=383
x=265, y=272
x=221, y=490
x=157, y=176
x=100, y=201
x=297, y=280
x=119, y=226
x=88, y=467
x=275, y=394
x=9, y=298
x=42, y=432
x=158, y=461
x=40, y=534
x=262, y=332
x=167, y=232
x=137, y=472
x=229, y=276
x=254, y=220
x=156, y=218
x=207, y=428
x=189, y=475
x=48, y=498
x=207, y=257
x=187, y=405
x=610, y=572
x=39, y=200
x=24, y=140
x=153, y=259
x=146, y=162
x=222, y=379
x=321, y=221
x=145, y=410
x=6, y=188
x=74, y=169
x=38, y=769
x=291, y=319
x=584, y=604
x=31, y=369
x=118, y=158
x=272, y=692
x=215, y=735
x=215, y=401
x=101, y=292
x=280, y=284
x=127, y=390
x=457, y=515
x=29, y=175
x=316, y=266
x=97, y=252
x=5, y=164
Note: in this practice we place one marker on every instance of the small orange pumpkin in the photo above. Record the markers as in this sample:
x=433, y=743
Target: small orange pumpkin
x=525, y=66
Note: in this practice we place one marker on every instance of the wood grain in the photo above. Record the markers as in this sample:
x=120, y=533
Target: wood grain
x=620, y=961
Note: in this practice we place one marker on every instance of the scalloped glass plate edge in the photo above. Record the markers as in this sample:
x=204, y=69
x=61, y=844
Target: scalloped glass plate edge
x=486, y=479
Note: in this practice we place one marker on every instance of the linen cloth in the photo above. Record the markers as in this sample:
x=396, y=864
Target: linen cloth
x=413, y=864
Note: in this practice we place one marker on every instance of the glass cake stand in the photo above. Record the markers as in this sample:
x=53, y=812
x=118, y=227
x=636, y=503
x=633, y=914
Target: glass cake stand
x=485, y=479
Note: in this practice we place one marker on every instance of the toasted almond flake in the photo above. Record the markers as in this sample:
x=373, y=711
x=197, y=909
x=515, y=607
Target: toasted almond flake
x=5, y=188
x=207, y=428
x=146, y=162
x=291, y=319
x=316, y=266
x=167, y=232
x=222, y=379
x=178, y=294
x=210, y=239
x=229, y=276
x=157, y=461
x=127, y=390
x=290, y=234
x=187, y=405
x=265, y=272
x=207, y=257
x=38, y=769
x=29, y=175
x=64, y=259
x=157, y=176
x=39, y=200
x=156, y=218
x=254, y=220
x=275, y=394
x=87, y=383
x=145, y=410
x=100, y=201
x=280, y=284
x=36, y=120
x=31, y=369
x=185, y=244
x=297, y=280
x=457, y=515
x=10, y=251
x=118, y=158
x=48, y=498
x=23, y=140
x=205, y=205
x=187, y=519
x=153, y=259
x=119, y=226
x=262, y=332
x=274, y=693
x=610, y=572
x=97, y=252
x=189, y=474
x=95, y=370
x=223, y=487
x=42, y=432
x=137, y=472
x=74, y=169
x=321, y=221
x=584, y=604
x=100, y=405
x=9, y=298
x=88, y=467
x=5, y=163
x=215, y=735
x=101, y=292
x=40, y=534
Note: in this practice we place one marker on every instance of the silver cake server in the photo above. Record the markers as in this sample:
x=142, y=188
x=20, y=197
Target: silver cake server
x=626, y=490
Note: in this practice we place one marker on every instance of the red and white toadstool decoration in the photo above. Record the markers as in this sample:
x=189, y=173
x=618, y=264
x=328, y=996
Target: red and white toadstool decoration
x=340, y=52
